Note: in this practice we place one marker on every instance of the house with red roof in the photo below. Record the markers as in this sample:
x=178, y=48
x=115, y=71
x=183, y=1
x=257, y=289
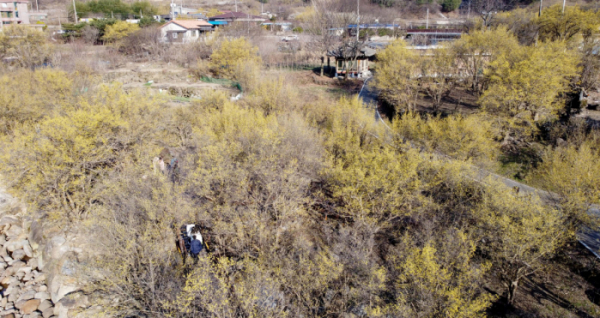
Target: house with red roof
x=183, y=31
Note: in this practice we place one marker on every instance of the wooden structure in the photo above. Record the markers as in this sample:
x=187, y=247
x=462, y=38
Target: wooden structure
x=431, y=36
x=352, y=59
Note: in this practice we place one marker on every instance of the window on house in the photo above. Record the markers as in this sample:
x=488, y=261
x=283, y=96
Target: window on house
x=174, y=35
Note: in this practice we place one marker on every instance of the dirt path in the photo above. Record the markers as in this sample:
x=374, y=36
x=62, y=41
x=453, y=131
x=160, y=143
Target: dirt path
x=590, y=238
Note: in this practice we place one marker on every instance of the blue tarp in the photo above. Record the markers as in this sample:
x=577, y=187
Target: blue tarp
x=218, y=22
x=374, y=26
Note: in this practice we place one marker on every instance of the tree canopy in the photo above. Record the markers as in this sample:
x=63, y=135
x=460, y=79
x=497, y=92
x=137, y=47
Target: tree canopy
x=310, y=206
x=232, y=53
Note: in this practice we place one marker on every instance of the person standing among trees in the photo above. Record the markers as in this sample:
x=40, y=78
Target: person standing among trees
x=195, y=242
x=174, y=170
x=196, y=246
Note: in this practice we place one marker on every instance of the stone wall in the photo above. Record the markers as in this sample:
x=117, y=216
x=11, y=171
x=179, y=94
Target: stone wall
x=24, y=289
x=38, y=268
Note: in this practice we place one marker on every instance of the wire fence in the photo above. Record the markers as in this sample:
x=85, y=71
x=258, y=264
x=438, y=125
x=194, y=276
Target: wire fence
x=222, y=81
x=293, y=66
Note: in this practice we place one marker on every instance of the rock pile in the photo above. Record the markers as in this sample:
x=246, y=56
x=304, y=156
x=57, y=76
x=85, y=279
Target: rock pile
x=24, y=290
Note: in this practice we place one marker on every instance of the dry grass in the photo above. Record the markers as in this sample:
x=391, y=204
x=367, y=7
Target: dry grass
x=81, y=57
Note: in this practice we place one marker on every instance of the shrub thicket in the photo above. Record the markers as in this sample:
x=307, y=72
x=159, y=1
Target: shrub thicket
x=309, y=208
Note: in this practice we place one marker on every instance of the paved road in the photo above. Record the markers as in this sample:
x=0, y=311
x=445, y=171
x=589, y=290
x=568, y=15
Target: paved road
x=369, y=95
x=588, y=237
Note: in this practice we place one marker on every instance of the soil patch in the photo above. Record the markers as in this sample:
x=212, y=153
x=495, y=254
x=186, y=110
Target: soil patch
x=163, y=77
x=460, y=100
x=568, y=287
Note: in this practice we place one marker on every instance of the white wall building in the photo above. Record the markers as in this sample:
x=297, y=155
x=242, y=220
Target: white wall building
x=13, y=12
x=183, y=31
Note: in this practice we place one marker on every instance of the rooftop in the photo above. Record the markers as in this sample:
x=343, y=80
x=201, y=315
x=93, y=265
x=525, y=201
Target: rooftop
x=198, y=15
x=277, y=23
x=365, y=50
x=235, y=15
x=434, y=31
x=190, y=24
x=373, y=26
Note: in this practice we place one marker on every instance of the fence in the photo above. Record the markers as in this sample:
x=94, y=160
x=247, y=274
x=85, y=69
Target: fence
x=222, y=81
x=293, y=66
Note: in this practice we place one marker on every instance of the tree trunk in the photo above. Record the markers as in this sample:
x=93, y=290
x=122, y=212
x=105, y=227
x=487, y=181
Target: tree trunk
x=330, y=70
x=346, y=67
x=475, y=84
x=512, y=291
x=322, y=63
x=436, y=104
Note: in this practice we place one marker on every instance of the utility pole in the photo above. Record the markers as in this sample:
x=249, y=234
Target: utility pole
x=469, y=12
x=37, y=8
x=427, y=20
x=75, y=11
x=173, y=5
x=357, y=19
x=235, y=5
x=248, y=25
x=395, y=26
x=562, y=12
x=540, y=13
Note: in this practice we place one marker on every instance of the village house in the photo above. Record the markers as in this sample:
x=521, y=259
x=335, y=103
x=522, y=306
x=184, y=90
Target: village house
x=197, y=16
x=278, y=26
x=183, y=31
x=431, y=37
x=237, y=16
x=375, y=27
x=335, y=31
x=36, y=16
x=162, y=17
x=218, y=24
x=352, y=59
x=13, y=12
x=180, y=13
